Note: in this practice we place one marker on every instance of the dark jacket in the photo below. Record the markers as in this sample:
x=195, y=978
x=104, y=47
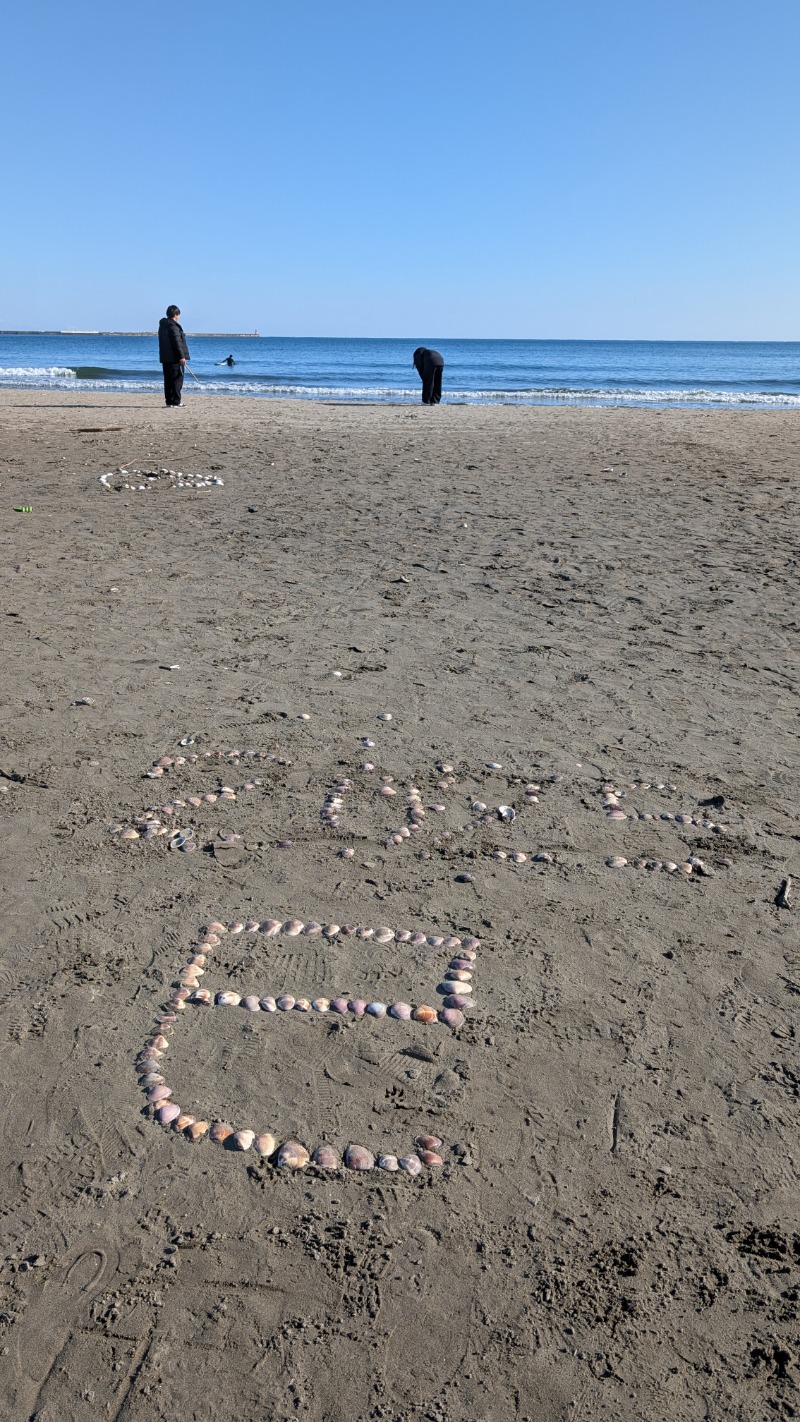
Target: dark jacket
x=424, y=357
x=172, y=345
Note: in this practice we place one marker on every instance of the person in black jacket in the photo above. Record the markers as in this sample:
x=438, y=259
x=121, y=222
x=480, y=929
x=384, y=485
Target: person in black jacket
x=429, y=366
x=173, y=353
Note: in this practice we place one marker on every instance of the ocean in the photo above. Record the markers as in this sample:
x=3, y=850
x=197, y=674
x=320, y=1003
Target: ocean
x=706, y=374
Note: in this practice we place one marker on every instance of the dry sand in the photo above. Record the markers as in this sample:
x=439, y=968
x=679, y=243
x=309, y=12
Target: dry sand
x=582, y=596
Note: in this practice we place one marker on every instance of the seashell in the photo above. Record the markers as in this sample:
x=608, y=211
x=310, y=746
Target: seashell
x=463, y=964
x=506, y=813
x=216, y=928
x=347, y=929
x=493, y=765
x=400, y=1010
x=293, y=1155
x=197, y=1130
x=150, y=1078
x=451, y=1017
x=160, y=1043
x=227, y=795
x=435, y=940
x=617, y=861
x=610, y=802
x=452, y=943
x=471, y=945
x=465, y=878
x=242, y=1140
x=364, y=932
x=168, y=1113
x=384, y=935
x=376, y=1009
x=436, y=810
x=330, y=930
x=386, y=790
x=181, y=994
x=418, y=940
x=616, y=815
x=385, y=716
x=387, y=1162
x=346, y=853
x=209, y=939
x=321, y=1004
x=251, y=926
x=462, y=988
x=197, y=960
x=202, y=997
x=411, y=1164
x=653, y=864
x=424, y=1013
x=285, y=1003
x=459, y=975
x=129, y=834
x=292, y=927
x=499, y=854
x=447, y=769
x=430, y=1158
x=685, y=868
x=227, y=999
x=478, y=807
x=265, y=1143
x=357, y=1157
x=543, y=858
x=235, y=928
x=427, y=1142
x=325, y=1158
x=670, y=866
x=194, y=800
x=154, y=773
x=339, y=1004
x=188, y=846
x=268, y=1004
x=640, y=863
x=518, y=857
x=220, y=1131
x=402, y=936
x=684, y=820
x=302, y=1005
x=270, y=927
x=182, y=1122
x=209, y=799
x=312, y=929
x=457, y=999
x=251, y=1003
x=357, y=1006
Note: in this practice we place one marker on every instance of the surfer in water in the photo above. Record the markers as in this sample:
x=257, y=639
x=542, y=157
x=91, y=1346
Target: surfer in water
x=229, y=360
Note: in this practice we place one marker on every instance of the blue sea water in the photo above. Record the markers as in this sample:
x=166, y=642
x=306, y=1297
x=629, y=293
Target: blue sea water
x=746, y=374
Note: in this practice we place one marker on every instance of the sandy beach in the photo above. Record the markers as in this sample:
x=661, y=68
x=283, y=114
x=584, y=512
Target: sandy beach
x=598, y=603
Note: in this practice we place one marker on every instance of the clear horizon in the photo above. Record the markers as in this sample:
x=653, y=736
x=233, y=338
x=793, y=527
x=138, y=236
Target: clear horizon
x=584, y=171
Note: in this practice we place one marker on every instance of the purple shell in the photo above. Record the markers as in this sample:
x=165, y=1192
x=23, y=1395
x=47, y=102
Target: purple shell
x=340, y=1005
x=400, y=1010
x=170, y=1112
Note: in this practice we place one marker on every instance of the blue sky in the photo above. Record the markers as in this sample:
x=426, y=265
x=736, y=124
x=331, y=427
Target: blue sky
x=583, y=169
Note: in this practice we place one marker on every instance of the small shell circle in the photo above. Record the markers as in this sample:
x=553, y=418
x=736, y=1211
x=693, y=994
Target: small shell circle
x=326, y=1158
x=357, y=1157
x=293, y=1155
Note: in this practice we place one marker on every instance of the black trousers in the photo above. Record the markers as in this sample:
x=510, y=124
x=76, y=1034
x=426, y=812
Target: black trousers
x=173, y=382
x=431, y=382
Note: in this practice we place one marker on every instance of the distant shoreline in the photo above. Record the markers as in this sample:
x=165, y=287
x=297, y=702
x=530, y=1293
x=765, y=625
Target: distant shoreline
x=194, y=335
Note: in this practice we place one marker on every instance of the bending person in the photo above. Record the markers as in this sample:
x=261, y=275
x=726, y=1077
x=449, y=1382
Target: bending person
x=429, y=366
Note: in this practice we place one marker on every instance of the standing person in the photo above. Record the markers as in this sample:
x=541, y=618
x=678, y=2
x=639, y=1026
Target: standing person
x=429, y=366
x=173, y=353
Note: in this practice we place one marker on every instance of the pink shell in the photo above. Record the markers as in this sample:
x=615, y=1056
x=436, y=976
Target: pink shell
x=451, y=1017
x=471, y=943
x=293, y=926
x=430, y=1158
x=268, y=1004
x=339, y=1004
x=357, y=1006
x=159, y=1092
x=456, y=1000
x=251, y=1003
x=270, y=926
x=411, y=1164
x=286, y=1002
x=427, y=1142
x=357, y=1157
x=326, y=1158
x=168, y=1113
x=401, y=1010
x=293, y=1154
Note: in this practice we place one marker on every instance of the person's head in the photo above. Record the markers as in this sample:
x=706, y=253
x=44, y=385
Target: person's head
x=173, y=312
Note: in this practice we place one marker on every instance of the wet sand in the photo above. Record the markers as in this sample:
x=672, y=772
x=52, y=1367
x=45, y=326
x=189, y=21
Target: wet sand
x=579, y=597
